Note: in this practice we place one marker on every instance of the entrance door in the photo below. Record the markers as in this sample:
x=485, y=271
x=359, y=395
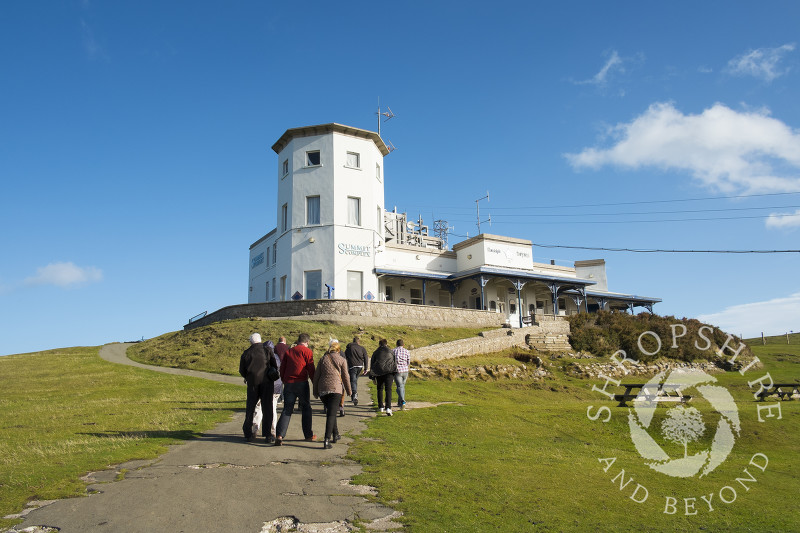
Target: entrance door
x=513, y=312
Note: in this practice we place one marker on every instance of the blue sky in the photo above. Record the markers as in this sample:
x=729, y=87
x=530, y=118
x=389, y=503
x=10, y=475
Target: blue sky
x=136, y=165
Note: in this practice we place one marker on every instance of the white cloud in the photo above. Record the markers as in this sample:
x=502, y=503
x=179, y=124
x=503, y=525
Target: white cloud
x=771, y=317
x=613, y=64
x=93, y=49
x=724, y=149
x=761, y=63
x=784, y=220
x=64, y=275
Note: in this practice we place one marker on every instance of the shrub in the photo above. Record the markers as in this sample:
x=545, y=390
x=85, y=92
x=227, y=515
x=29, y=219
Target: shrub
x=605, y=332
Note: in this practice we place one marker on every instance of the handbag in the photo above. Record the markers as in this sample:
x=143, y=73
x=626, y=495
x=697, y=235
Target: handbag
x=273, y=374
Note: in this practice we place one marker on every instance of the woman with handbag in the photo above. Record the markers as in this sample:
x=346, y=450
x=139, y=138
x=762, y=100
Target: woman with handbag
x=331, y=381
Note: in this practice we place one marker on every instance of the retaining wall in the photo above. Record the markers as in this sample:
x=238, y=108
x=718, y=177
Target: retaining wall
x=358, y=312
x=553, y=333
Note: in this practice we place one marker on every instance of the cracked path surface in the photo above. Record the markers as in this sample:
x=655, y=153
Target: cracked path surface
x=219, y=482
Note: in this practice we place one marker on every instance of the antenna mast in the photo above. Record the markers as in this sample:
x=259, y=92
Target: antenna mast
x=478, y=209
x=389, y=115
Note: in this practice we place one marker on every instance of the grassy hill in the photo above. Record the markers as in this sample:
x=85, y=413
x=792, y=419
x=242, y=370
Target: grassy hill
x=524, y=455
x=67, y=412
x=217, y=347
x=506, y=454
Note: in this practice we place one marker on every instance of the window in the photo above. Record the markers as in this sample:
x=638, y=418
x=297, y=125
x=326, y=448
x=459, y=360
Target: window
x=353, y=160
x=274, y=258
x=354, y=284
x=313, y=282
x=313, y=159
x=416, y=296
x=268, y=250
x=283, y=287
x=273, y=288
x=389, y=295
x=353, y=211
x=267, y=293
x=285, y=167
x=312, y=210
x=284, y=217
x=444, y=298
x=492, y=305
x=378, y=172
x=379, y=222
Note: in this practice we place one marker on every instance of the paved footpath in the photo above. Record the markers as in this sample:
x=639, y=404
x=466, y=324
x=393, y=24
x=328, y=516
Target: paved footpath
x=219, y=482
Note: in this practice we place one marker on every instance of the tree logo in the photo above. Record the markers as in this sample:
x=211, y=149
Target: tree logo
x=684, y=425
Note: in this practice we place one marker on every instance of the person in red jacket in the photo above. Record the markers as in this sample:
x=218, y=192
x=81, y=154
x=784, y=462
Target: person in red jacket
x=297, y=368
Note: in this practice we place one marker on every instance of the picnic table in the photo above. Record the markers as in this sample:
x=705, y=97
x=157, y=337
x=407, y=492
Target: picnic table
x=651, y=392
x=785, y=391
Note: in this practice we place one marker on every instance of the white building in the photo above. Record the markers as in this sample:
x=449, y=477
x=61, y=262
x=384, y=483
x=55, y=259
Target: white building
x=334, y=239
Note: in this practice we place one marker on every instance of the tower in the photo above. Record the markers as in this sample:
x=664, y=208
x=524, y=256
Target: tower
x=329, y=215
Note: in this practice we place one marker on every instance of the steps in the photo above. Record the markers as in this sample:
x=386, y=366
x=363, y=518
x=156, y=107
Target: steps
x=552, y=335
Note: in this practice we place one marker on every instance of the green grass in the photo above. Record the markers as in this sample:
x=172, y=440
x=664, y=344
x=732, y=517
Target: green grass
x=67, y=412
x=217, y=347
x=523, y=456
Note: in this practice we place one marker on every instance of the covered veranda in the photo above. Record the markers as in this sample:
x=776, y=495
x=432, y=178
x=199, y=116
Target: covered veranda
x=523, y=288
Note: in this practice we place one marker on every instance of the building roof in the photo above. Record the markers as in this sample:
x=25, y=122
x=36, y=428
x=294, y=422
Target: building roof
x=322, y=129
x=620, y=296
x=504, y=272
x=490, y=237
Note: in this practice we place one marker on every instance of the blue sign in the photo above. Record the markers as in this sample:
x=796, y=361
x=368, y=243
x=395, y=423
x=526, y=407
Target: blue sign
x=297, y=296
x=257, y=260
x=369, y=296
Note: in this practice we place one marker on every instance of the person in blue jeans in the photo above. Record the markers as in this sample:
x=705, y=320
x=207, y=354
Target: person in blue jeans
x=297, y=368
x=402, y=358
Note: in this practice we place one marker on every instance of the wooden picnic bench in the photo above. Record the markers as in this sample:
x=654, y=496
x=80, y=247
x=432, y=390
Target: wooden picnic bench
x=663, y=392
x=784, y=391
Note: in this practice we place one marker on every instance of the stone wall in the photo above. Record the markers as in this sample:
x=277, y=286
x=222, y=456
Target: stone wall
x=551, y=334
x=357, y=312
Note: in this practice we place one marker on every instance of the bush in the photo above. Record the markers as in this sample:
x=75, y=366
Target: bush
x=605, y=332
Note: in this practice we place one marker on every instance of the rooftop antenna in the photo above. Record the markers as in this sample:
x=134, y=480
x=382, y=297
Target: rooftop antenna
x=478, y=209
x=441, y=230
x=388, y=114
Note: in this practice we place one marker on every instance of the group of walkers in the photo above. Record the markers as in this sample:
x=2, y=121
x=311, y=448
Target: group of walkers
x=274, y=370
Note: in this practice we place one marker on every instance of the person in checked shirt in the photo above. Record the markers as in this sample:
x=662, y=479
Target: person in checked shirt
x=402, y=357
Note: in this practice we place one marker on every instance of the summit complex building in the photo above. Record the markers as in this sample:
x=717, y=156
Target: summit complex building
x=334, y=239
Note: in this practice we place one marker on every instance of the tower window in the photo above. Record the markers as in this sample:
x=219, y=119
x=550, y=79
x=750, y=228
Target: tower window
x=284, y=217
x=285, y=167
x=353, y=211
x=313, y=159
x=353, y=160
x=312, y=210
x=378, y=172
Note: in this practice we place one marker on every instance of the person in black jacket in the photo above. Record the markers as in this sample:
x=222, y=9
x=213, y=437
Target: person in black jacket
x=356, y=356
x=382, y=368
x=253, y=368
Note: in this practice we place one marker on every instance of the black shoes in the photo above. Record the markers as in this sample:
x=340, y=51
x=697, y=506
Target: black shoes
x=327, y=444
x=341, y=411
x=336, y=437
x=278, y=441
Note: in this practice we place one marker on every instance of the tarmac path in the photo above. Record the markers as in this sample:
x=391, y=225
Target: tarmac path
x=219, y=482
